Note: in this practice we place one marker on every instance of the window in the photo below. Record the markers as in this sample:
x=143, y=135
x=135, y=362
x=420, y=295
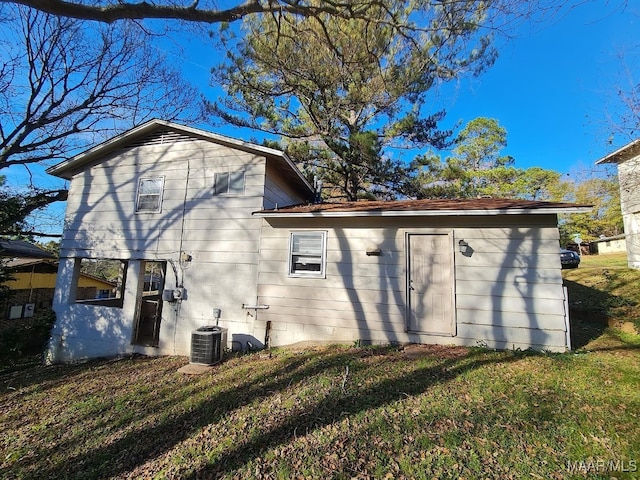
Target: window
x=307, y=254
x=231, y=183
x=149, y=198
x=100, y=282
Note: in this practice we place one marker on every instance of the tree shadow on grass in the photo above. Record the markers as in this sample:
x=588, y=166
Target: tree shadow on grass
x=340, y=404
x=32, y=373
x=151, y=439
x=590, y=312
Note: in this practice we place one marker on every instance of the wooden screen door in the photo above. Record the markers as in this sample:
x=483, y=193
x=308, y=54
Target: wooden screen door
x=430, y=284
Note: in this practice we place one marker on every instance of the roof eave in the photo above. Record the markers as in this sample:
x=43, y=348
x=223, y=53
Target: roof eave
x=297, y=171
x=425, y=213
x=630, y=150
x=67, y=168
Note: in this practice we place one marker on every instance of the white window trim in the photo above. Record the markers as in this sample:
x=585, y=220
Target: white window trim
x=323, y=256
x=159, y=209
x=229, y=173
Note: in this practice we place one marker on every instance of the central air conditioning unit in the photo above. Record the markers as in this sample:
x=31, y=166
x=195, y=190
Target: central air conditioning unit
x=207, y=345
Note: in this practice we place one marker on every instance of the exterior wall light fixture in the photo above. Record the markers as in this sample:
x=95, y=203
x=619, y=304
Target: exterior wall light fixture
x=464, y=247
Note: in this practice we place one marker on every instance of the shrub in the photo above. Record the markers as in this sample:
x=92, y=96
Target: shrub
x=28, y=338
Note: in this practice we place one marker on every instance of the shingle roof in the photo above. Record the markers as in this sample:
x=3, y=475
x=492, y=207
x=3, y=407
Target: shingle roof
x=475, y=206
x=45, y=265
x=21, y=248
x=27, y=262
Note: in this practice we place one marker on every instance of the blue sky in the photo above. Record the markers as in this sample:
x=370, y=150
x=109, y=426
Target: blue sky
x=551, y=87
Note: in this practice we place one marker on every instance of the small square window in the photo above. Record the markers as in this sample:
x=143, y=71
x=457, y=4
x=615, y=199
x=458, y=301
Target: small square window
x=231, y=183
x=149, y=196
x=307, y=254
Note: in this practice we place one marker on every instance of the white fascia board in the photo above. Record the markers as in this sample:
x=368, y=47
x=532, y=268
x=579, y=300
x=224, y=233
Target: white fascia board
x=614, y=157
x=425, y=213
x=113, y=142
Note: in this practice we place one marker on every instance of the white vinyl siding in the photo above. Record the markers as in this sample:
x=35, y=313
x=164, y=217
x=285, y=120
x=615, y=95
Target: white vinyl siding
x=278, y=192
x=149, y=195
x=307, y=254
x=218, y=231
x=629, y=176
x=229, y=183
x=508, y=294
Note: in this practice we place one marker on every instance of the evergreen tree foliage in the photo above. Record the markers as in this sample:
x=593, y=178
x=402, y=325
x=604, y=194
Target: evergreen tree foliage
x=476, y=168
x=343, y=93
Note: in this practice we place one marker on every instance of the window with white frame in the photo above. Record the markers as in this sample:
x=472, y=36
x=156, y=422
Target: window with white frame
x=149, y=196
x=229, y=183
x=307, y=254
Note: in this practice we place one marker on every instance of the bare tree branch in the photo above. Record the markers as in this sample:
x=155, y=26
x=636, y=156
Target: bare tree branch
x=110, y=12
x=64, y=80
x=14, y=208
x=65, y=84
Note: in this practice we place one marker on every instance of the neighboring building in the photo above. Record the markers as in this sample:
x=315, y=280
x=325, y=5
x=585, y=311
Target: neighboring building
x=33, y=286
x=604, y=245
x=30, y=289
x=200, y=224
x=21, y=249
x=627, y=159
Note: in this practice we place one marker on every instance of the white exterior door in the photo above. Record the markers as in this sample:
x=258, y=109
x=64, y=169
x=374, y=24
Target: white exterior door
x=430, y=284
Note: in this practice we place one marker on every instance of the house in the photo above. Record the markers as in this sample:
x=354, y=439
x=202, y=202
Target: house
x=33, y=273
x=33, y=284
x=604, y=245
x=33, y=278
x=229, y=232
x=627, y=159
x=10, y=248
x=464, y=272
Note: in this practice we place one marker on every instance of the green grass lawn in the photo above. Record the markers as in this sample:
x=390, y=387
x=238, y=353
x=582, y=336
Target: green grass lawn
x=340, y=412
x=609, y=260
x=603, y=292
x=337, y=412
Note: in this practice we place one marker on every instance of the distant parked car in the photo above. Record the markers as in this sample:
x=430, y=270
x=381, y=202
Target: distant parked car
x=569, y=259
